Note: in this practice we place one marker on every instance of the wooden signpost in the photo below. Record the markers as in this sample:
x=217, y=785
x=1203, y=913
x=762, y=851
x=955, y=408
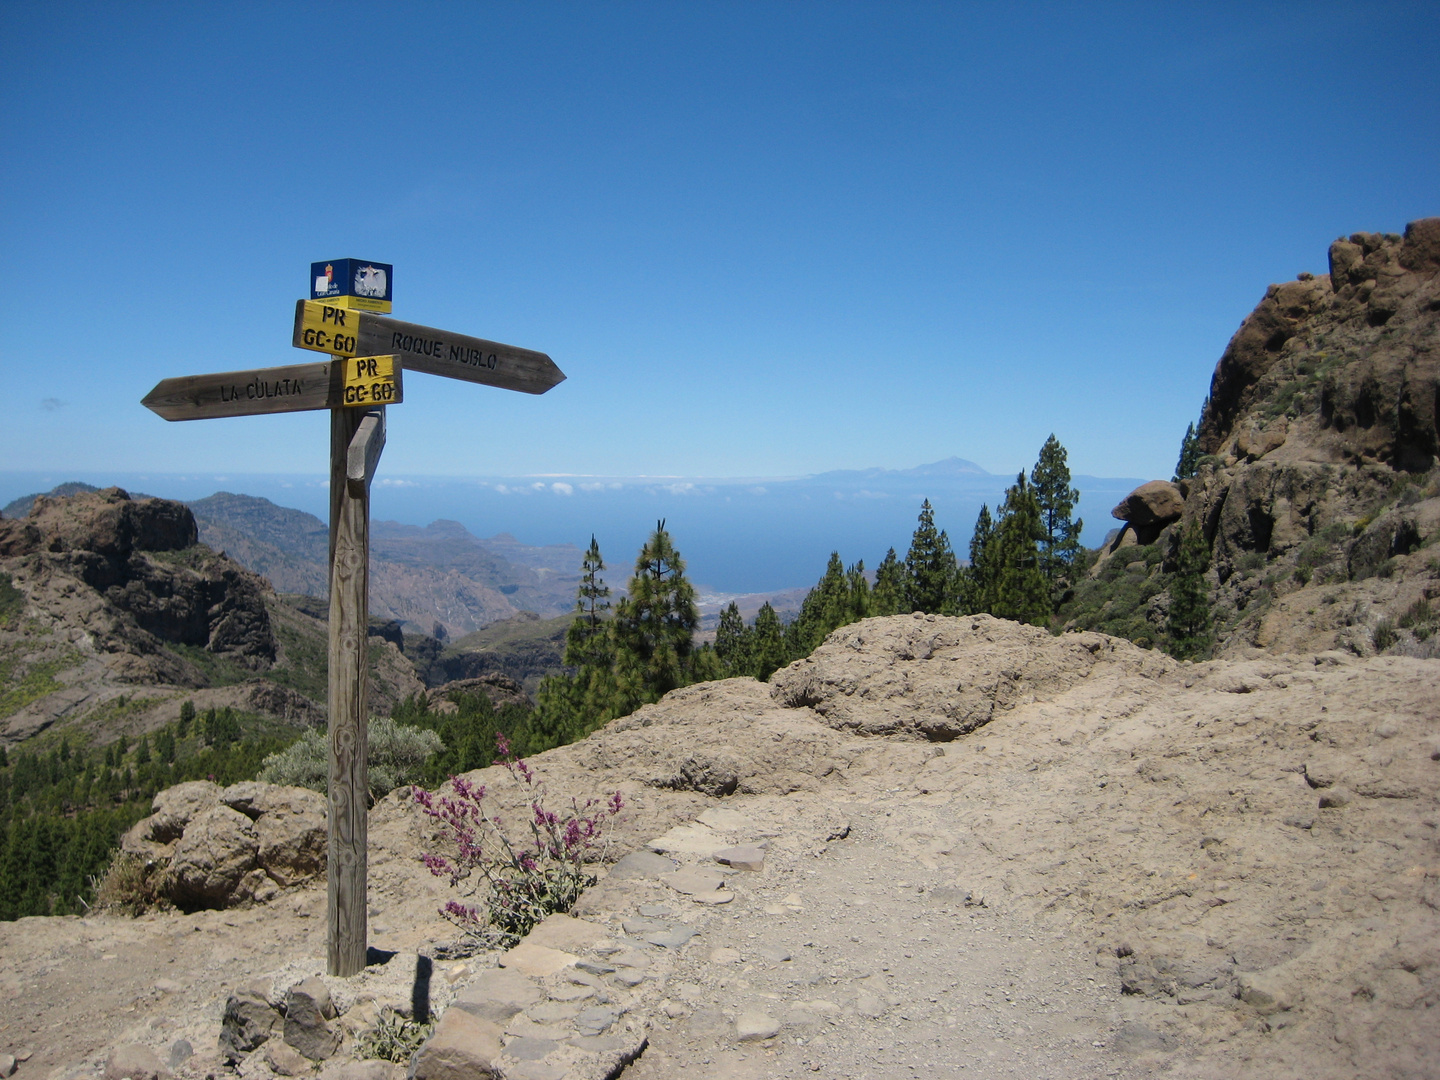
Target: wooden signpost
x=369, y=352
x=328, y=384
x=343, y=332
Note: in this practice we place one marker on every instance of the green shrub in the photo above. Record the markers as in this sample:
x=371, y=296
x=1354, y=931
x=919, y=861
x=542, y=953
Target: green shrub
x=1117, y=600
x=1383, y=635
x=392, y=1038
x=1421, y=619
x=1416, y=613
x=129, y=885
x=396, y=756
x=12, y=600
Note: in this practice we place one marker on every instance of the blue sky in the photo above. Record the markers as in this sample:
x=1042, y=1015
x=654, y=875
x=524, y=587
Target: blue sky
x=760, y=239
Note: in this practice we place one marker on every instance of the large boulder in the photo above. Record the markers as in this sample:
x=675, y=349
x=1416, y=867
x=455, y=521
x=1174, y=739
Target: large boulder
x=937, y=678
x=154, y=837
x=232, y=844
x=290, y=825
x=1146, y=512
x=175, y=807
x=1157, y=503
x=219, y=848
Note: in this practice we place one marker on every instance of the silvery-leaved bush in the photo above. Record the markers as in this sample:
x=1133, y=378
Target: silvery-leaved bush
x=526, y=882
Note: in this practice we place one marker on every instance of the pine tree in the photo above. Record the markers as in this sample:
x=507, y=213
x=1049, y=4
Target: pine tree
x=733, y=645
x=586, y=639
x=568, y=707
x=888, y=595
x=860, y=605
x=979, y=579
x=1021, y=591
x=1189, y=455
x=929, y=567
x=769, y=647
x=1060, y=537
x=142, y=751
x=655, y=625
x=825, y=607
x=187, y=717
x=1188, y=625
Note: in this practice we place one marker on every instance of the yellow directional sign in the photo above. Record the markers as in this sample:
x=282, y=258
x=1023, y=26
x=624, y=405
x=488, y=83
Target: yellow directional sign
x=324, y=327
x=327, y=328
x=370, y=380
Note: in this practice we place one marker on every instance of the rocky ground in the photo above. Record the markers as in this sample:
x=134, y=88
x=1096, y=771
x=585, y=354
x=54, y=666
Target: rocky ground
x=983, y=851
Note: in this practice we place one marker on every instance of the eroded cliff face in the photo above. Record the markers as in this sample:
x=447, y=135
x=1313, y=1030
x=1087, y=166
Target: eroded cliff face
x=1319, y=488
x=116, y=606
x=1341, y=368
x=129, y=574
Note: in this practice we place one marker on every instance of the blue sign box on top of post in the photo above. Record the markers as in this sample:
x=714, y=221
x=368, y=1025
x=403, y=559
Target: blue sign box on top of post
x=353, y=283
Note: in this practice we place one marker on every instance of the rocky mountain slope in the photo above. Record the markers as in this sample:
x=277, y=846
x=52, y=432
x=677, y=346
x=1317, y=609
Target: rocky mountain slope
x=436, y=576
x=116, y=600
x=1319, y=490
x=979, y=845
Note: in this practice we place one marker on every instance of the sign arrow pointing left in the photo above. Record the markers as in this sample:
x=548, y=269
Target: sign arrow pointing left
x=330, y=384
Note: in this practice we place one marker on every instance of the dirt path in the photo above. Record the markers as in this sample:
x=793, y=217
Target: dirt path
x=890, y=974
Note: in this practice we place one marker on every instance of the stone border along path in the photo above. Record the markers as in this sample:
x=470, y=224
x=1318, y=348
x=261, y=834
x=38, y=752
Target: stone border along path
x=836, y=956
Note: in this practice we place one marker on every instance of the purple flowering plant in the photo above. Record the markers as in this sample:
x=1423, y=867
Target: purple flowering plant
x=525, y=881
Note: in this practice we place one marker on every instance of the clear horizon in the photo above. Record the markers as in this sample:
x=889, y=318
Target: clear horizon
x=737, y=536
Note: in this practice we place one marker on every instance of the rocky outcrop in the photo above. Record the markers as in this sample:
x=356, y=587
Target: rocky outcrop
x=500, y=689
x=224, y=846
x=1350, y=355
x=212, y=857
x=130, y=574
x=1317, y=489
x=938, y=679
x=106, y=523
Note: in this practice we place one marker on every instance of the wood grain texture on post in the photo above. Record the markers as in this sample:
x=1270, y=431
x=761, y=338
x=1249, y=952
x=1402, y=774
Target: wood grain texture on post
x=347, y=864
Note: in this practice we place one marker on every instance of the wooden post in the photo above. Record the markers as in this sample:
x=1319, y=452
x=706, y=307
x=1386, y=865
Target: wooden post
x=347, y=864
x=355, y=383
